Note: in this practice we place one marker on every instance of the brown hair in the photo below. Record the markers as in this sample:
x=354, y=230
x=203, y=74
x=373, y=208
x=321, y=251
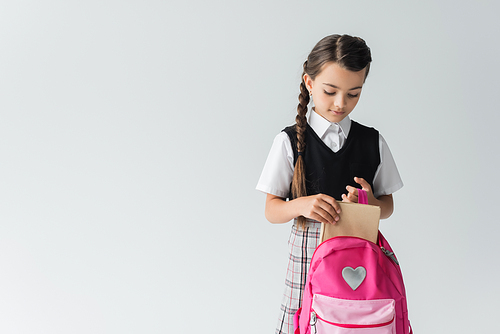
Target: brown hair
x=348, y=52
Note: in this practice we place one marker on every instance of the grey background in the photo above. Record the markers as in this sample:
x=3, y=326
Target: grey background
x=133, y=133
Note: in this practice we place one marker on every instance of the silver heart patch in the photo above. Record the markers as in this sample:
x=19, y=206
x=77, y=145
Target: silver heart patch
x=354, y=277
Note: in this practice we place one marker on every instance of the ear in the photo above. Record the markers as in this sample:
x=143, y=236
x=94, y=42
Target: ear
x=308, y=81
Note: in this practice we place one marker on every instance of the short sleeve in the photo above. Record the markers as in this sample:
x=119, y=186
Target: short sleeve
x=387, y=179
x=277, y=174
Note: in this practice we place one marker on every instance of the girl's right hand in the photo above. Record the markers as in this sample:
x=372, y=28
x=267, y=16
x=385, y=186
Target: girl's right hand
x=320, y=207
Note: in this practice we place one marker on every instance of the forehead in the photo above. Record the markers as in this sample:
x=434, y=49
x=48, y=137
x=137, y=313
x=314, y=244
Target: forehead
x=333, y=74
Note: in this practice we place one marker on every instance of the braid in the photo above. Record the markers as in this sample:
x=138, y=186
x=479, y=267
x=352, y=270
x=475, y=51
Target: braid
x=300, y=119
x=299, y=180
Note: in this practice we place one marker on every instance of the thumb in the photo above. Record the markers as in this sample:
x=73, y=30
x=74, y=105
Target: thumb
x=362, y=182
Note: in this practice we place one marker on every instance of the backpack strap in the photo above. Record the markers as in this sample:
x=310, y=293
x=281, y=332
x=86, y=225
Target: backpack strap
x=296, y=321
x=382, y=242
x=362, y=197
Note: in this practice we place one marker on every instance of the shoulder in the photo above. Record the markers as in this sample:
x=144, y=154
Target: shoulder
x=372, y=132
x=282, y=145
x=290, y=130
x=291, y=133
x=366, y=134
x=282, y=138
x=363, y=128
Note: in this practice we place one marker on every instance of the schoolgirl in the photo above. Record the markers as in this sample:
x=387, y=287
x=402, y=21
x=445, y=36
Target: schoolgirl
x=324, y=158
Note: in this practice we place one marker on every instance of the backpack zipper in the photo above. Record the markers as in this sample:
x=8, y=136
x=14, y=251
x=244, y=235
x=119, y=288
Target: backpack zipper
x=390, y=255
x=315, y=317
x=313, y=320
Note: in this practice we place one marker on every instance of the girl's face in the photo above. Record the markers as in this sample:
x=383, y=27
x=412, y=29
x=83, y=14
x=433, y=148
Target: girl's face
x=335, y=91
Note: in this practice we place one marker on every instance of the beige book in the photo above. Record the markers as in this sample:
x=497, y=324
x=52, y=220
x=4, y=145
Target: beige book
x=356, y=220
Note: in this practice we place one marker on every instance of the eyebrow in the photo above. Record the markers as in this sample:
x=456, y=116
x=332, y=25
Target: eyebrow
x=339, y=88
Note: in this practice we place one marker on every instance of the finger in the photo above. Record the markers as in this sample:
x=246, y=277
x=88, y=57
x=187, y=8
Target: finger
x=324, y=216
x=352, y=197
x=330, y=213
x=345, y=198
x=352, y=191
x=320, y=218
x=352, y=194
x=331, y=202
x=322, y=210
x=331, y=210
x=363, y=183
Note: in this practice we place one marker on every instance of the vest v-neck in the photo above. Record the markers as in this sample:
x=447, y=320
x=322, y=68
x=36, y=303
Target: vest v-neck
x=322, y=143
x=328, y=172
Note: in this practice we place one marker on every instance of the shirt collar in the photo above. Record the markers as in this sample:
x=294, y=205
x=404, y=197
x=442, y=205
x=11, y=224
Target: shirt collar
x=320, y=124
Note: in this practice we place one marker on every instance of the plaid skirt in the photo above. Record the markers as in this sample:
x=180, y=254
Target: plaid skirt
x=302, y=244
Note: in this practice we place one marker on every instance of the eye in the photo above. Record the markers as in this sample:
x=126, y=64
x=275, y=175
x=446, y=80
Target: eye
x=329, y=93
x=353, y=95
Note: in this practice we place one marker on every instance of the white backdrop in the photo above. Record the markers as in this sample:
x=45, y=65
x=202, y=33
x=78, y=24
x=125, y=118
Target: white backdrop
x=133, y=133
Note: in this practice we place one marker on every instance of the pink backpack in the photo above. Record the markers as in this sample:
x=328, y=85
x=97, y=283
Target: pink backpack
x=353, y=286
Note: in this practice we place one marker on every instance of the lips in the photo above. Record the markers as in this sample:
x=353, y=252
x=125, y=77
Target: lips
x=338, y=113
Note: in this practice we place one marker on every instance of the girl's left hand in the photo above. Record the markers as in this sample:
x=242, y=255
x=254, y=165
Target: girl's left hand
x=352, y=195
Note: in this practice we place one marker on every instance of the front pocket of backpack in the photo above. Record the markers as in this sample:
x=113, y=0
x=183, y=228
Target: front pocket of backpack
x=340, y=316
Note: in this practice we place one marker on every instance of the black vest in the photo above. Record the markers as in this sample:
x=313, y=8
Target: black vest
x=329, y=172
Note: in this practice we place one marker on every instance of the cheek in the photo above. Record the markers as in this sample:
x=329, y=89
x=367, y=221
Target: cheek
x=353, y=103
x=320, y=99
x=329, y=100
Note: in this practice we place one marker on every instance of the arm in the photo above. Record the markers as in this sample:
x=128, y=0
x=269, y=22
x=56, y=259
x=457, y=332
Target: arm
x=385, y=202
x=322, y=208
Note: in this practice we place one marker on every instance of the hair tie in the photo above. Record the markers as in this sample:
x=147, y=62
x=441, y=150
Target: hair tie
x=301, y=154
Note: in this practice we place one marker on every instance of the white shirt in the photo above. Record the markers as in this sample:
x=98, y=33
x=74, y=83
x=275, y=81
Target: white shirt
x=278, y=169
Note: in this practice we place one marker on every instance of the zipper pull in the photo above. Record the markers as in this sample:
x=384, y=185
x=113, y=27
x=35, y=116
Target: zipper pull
x=390, y=255
x=313, y=320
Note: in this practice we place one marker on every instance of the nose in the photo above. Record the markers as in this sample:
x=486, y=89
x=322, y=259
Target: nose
x=339, y=101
